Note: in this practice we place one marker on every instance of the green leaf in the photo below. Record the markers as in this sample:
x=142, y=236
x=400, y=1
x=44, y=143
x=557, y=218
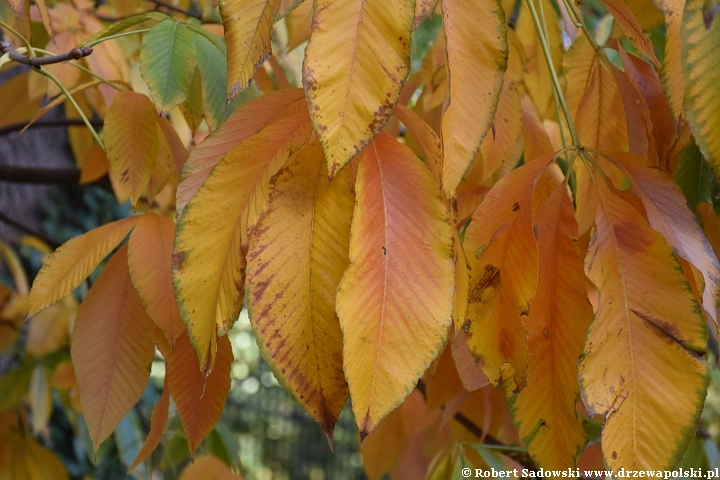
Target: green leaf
x=167, y=63
x=212, y=63
x=694, y=177
x=124, y=24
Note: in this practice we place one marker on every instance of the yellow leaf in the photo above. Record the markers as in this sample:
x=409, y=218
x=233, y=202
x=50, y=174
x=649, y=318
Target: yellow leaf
x=477, y=55
x=537, y=74
x=150, y=263
x=131, y=140
x=164, y=168
x=40, y=399
x=200, y=399
x=177, y=147
x=644, y=355
x=400, y=230
x=299, y=22
x=22, y=457
x=208, y=259
x=248, y=25
x=560, y=313
x=16, y=106
x=672, y=67
x=503, y=257
x=630, y=27
x=158, y=419
x=112, y=349
x=69, y=265
x=244, y=122
x=296, y=257
x=49, y=329
x=595, y=102
x=668, y=213
x=702, y=104
x=501, y=142
x=355, y=66
x=208, y=468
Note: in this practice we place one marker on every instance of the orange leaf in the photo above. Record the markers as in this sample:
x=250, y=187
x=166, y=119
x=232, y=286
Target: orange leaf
x=537, y=143
x=383, y=448
x=559, y=316
x=442, y=383
x=208, y=468
x=648, y=83
x=131, y=138
x=200, y=399
x=629, y=25
x=158, y=419
x=150, y=263
x=426, y=138
x=400, y=230
x=503, y=275
x=95, y=167
x=469, y=371
x=668, y=213
x=244, y=122
x=112, y=349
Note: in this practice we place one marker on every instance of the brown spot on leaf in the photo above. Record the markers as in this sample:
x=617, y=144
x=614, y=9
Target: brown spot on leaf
x=177, y=259
x=633, y=239
x=614, y=455
x=486, y=287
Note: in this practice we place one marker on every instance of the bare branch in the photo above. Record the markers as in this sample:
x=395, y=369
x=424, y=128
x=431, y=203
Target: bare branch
x=172, y=7
x=74, y=54
x=67, y=122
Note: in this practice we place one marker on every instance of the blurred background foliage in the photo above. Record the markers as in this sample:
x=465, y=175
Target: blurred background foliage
x=263, y=433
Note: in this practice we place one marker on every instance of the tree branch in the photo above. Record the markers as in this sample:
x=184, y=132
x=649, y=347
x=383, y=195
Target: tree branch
x=13, y=223
x=172, y=7
x=66, y=122
x=49, y=176
x=520, y=457
x=74, y=54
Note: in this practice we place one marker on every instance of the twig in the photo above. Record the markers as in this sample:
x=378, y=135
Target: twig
x=120, y=18
x=172, y=7
x=9, y=221
x=74, y=54
x=67, y=122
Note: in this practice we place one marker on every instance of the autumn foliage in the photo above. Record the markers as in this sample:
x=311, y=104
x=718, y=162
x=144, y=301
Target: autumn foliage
x=485, y=252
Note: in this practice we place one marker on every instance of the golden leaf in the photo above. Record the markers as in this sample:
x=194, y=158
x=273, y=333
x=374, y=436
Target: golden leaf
x=355, y=66
x=296, y=257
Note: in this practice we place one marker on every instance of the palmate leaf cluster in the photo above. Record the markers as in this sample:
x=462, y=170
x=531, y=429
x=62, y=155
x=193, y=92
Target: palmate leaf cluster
x=487, y=241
